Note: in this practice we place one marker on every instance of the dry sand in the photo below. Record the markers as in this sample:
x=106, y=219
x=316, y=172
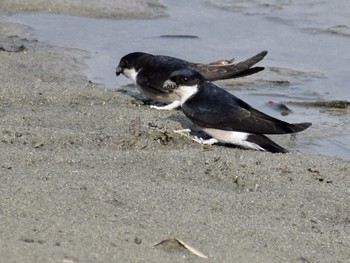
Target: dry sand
x=88, y=174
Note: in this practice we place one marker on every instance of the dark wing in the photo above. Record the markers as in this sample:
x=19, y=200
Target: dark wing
x=232, y=70
x=153, y=75
x=213, y=107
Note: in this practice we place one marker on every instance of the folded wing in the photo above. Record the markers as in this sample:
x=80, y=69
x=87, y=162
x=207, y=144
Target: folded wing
x=213, y=107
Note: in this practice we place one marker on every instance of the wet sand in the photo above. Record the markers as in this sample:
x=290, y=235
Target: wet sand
x=106, y=9
x=89, y=174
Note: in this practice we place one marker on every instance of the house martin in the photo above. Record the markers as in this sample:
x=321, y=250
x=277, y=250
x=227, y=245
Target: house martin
x=225, y=117
x=149, y=72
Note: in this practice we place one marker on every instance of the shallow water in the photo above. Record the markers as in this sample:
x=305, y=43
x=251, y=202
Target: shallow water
x=308, y=46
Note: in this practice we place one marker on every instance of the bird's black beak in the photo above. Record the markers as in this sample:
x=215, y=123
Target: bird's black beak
x=169, y=85
x=118, y=71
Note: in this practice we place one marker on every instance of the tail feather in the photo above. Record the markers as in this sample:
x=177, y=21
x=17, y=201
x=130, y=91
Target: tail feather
x=266, y=143
x=298, y=127
x=232, y=70
x=249, y=71
x=243, y=68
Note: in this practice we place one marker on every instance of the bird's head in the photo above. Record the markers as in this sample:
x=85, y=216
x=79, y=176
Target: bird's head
x=183, y=78
x=184, y=82
x=131, y=63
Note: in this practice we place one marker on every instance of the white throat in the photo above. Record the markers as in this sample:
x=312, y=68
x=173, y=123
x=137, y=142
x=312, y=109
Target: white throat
x=185, y=92
x=131, y=74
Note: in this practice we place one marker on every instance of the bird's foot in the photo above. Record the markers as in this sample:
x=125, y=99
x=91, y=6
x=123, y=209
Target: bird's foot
x=210, y=141
x=170, y=106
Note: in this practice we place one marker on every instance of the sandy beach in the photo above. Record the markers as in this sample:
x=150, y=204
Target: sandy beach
x=89, y=174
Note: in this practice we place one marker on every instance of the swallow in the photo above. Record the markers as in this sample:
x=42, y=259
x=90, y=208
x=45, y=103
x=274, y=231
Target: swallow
x=149, y=72
x=225, y=117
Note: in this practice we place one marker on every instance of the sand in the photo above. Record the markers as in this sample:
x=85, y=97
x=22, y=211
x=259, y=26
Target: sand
x=89, y=174
x=103, y=9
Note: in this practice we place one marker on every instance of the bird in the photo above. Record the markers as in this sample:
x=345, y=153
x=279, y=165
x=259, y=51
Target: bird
x=225, y=117
x=149, y=72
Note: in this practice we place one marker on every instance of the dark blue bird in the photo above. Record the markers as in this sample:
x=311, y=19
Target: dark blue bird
x=225, y=117
x=149, y=72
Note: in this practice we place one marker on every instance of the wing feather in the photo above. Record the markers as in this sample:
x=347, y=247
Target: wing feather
x=213, y=107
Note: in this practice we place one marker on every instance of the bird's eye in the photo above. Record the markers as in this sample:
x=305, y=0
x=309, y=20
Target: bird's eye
x=184, y=79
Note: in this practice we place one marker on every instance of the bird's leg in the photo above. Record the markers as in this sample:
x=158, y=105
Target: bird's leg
x=170, y=106
x=184, y=132
x=202, y=141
